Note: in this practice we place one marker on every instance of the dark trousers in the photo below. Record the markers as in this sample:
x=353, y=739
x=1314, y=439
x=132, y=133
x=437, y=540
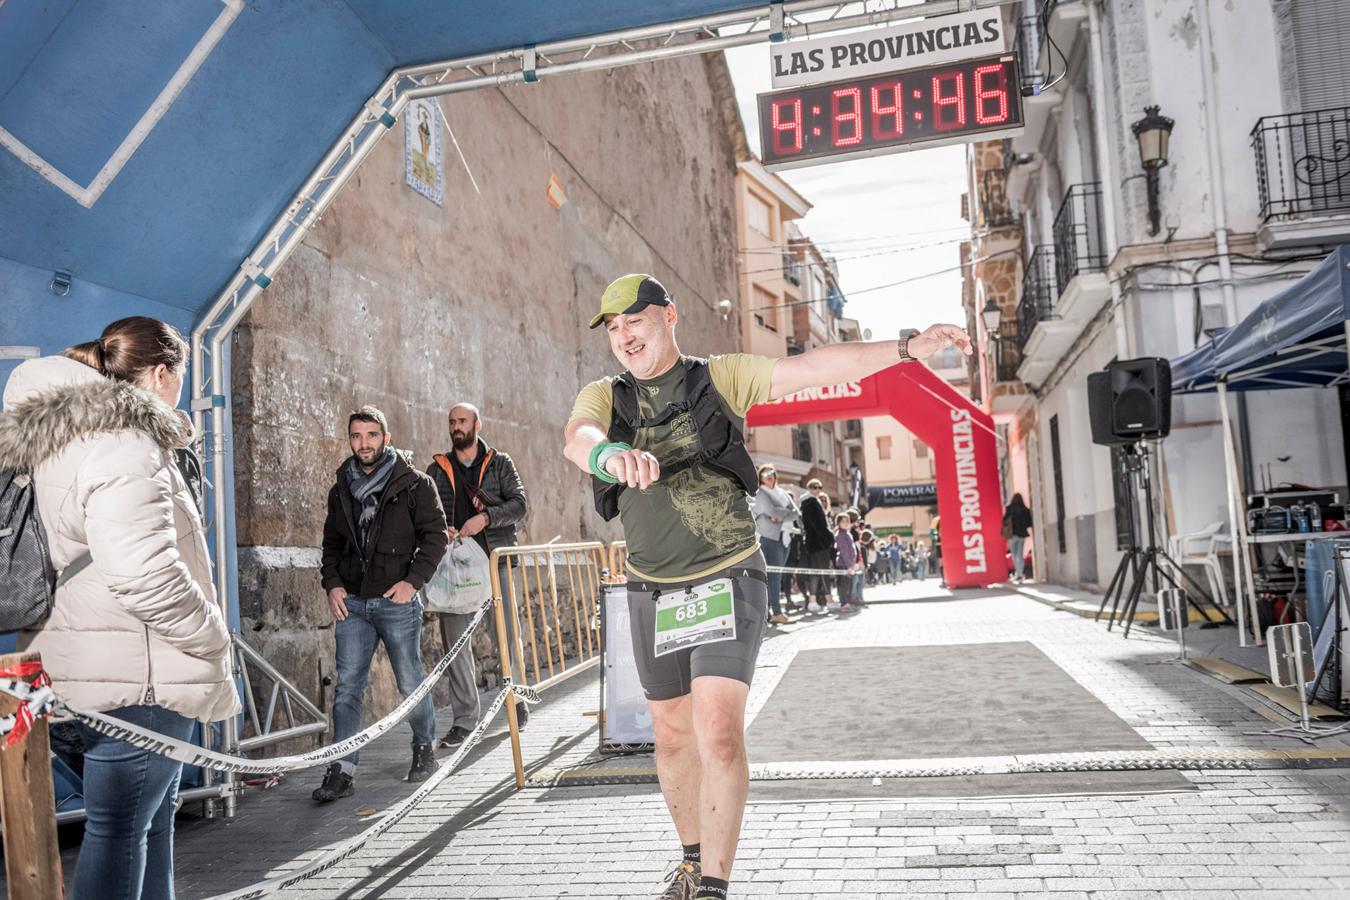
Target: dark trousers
x=820, y=584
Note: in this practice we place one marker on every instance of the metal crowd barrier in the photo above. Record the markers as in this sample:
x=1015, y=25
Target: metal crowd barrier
x=618, y=560
x=547, y=587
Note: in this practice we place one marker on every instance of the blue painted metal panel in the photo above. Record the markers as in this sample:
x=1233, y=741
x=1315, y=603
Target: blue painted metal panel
x=74, y=118
x=425, y=32
x=27, y=28
x=34, y=316
x=259, y=115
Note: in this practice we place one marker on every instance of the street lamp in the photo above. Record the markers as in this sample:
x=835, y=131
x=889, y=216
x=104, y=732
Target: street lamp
x=991, y=314
x=1152, y=132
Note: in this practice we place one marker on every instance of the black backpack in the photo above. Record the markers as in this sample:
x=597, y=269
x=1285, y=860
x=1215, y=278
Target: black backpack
x=28, y=582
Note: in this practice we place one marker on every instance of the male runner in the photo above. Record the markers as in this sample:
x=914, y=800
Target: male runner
x=663, y=445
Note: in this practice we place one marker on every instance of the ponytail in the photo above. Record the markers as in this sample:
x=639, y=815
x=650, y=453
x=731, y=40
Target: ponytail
x=130, y=347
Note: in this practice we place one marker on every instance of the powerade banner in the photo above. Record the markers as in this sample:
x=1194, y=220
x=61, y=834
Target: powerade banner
x=965, y=451
x=902, y=495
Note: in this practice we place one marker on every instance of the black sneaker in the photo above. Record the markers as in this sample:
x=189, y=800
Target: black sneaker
x=423, y=763
x=455, y=736
x=336, y=785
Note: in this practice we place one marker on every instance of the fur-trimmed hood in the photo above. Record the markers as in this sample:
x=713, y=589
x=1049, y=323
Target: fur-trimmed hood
x=53, y=401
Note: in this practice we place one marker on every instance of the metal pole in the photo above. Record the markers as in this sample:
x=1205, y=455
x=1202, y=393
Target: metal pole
x=1297, y=635
x=1236, y=528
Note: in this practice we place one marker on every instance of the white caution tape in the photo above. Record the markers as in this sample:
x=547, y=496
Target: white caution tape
x=193, y=755
x=391, y=818
x=792, y=571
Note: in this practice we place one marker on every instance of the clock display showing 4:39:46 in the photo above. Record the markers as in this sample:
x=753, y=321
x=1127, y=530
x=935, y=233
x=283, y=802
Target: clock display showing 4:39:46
x=930, y=106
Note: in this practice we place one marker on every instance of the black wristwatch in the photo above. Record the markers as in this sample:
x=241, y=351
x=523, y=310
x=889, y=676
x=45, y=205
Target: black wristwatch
x=903, y=346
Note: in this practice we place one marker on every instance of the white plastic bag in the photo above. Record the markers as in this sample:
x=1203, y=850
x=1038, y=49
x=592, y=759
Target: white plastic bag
x=461, y=582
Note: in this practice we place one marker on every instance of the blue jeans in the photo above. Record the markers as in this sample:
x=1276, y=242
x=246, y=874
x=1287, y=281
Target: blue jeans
x=129, y=797
x=1015, y=546
x=855, y=595
x=399, y=626
x=774, y=555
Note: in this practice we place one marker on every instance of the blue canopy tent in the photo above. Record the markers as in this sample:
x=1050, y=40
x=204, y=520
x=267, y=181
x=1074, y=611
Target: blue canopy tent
x=1295, y=339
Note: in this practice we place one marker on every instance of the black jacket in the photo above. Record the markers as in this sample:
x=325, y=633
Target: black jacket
x=407, y=538
x=816, y=530
x=501, y=488
x=1019, y=518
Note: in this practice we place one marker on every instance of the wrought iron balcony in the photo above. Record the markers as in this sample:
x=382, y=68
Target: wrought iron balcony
x=792, y=269
x=852, y=429
x=1039, y=293
x=1303, y=163
x=1078, y=234
x=994, y=206
x=1007, y=351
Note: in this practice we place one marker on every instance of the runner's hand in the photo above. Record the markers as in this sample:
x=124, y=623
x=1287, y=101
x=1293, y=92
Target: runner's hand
x=337, y=603
x=939, y=337
x=635, y=468
x=400, y=593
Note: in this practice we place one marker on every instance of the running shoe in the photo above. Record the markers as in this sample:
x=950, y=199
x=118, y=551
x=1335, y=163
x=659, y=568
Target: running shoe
x=336, y=785
x=683, y=880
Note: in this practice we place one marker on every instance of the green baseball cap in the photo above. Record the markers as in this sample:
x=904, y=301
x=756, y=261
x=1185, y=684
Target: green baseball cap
x=630, y=294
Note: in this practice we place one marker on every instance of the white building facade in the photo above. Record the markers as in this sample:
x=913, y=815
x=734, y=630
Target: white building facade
x=1255, y=190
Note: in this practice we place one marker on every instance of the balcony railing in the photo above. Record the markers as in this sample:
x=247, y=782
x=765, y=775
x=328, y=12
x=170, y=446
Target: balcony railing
x=792, y=269
x=1007, y=351
x=1303, y=163
x=994, y=206
x=1029, y=35
x=1078, y=234
x=1039, y=293
x=852, y=429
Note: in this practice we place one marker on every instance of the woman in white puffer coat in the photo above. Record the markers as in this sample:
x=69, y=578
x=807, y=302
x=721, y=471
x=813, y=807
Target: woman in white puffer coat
x=138, y=633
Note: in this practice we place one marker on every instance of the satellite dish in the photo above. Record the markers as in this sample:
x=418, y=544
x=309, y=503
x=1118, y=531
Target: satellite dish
x=867, y=334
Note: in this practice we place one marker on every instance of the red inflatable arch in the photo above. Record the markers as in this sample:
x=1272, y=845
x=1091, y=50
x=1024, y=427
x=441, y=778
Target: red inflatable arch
x=965, y=451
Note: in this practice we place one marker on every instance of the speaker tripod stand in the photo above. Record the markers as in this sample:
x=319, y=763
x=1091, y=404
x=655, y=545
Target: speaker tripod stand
x=1141, y=564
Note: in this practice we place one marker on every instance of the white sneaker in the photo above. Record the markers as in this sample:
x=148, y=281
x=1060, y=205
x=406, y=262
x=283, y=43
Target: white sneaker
x=814, y=607
x=833, y=607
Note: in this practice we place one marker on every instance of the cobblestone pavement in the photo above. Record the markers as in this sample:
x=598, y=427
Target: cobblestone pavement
x=1249, y=833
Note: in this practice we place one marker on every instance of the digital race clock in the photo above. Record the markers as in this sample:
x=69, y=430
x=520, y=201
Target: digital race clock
x=926, y=107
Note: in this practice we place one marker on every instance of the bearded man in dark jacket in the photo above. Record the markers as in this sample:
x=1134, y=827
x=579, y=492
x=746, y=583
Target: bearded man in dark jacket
x=484, y=500
x=382, y=540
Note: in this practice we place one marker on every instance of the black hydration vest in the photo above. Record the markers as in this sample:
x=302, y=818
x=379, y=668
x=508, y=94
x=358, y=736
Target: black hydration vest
x=720, y=444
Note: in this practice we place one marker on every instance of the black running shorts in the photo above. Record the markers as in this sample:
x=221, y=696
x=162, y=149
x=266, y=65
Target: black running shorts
x=670, y=676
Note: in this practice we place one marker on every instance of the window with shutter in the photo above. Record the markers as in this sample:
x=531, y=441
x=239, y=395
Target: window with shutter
x=1323, y=65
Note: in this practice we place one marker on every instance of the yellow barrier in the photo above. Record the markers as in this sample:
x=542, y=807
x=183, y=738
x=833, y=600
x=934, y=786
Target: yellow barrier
x=535, y=577
x=618, y=561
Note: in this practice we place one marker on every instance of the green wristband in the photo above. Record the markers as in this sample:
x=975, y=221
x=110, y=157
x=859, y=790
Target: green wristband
x=595, y=465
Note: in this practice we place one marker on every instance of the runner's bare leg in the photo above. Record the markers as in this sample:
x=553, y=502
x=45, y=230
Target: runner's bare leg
x=677, y=765
x=719, y=728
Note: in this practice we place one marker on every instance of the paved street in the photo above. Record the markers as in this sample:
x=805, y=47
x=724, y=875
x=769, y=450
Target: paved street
x=1250, y=833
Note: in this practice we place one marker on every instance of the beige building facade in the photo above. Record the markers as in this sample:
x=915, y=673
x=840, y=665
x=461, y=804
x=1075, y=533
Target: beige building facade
x=790, y=302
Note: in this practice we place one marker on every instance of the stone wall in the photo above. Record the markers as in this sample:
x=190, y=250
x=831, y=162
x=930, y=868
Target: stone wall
x=395, y=301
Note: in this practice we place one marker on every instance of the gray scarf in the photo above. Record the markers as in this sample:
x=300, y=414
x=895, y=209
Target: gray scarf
x=366, y=489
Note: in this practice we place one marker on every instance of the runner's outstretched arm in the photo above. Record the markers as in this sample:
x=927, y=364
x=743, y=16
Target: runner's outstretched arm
x=838, y=363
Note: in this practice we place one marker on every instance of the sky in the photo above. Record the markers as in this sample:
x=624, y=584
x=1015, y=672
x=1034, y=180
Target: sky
x=875, y=215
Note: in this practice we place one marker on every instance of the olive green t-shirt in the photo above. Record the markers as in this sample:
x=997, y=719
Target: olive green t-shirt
x=697, y=521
